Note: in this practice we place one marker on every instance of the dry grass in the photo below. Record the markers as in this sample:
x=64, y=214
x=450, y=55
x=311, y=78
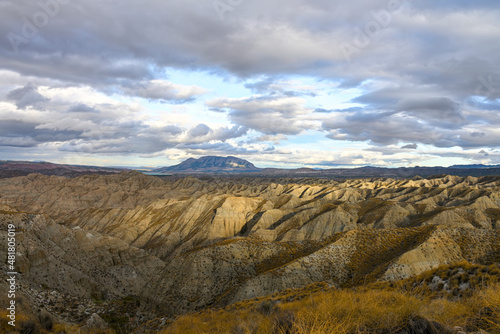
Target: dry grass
x=238, y=321
x=348, y=311
x=23, y=322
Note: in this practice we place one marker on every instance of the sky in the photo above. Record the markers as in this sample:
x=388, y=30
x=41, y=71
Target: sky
x=313, y=83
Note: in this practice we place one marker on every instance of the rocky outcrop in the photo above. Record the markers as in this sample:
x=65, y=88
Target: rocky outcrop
x=74, y=261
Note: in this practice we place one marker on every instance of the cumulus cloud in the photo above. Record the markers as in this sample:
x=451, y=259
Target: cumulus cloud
x=30, y=134
x=164, y=91
x=200, y=130
x=268, y=115
x=100, y=126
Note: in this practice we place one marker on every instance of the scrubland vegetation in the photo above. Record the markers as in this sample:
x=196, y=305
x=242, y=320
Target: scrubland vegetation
x=449, y=299
x=461, y=297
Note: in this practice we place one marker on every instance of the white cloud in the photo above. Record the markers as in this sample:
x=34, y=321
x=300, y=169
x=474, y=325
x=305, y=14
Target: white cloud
x=164, y=91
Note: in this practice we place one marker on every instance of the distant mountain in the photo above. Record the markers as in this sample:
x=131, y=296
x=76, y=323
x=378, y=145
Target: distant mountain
x=21, y=168
x=211, y=164
x=474, y=166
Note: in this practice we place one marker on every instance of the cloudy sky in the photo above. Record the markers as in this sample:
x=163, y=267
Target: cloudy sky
x=316, y=83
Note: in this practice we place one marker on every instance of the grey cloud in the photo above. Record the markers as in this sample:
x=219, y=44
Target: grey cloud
x=163, y=91
x=217, y=149
x=172, y=129
x=226, y=133
x=381, y=128
x=440, y=108
x=103, y=42
x=278, y=86
x=321, y=110
x=385, y=128
x=130, y=145
x=200, y=130
x=410, y=146
x=21, y=133
x=416, y=102
x=23, y=142
x=82, y=108
x=102, y=129
x=410, y=114
x=203, y=133
x=268, y=115
x=262, y=86
x=27, y=96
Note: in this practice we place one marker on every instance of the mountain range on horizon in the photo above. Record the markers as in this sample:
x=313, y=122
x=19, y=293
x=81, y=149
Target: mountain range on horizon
x=234, y=165
x=230, y=165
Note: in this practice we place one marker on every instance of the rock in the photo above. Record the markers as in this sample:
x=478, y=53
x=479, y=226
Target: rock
x=95, y=322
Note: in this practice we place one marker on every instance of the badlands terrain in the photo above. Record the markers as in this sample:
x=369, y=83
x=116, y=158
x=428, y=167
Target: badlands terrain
x=130, y=252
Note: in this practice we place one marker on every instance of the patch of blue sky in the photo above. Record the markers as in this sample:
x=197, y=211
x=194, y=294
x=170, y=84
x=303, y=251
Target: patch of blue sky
x=218, y=86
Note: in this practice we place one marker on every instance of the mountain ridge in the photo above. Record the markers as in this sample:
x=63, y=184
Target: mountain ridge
x=234, y=166
x=10, y=168
x=221, y=165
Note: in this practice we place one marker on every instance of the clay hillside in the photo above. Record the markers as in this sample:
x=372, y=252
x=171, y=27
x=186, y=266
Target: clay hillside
x=133, y=253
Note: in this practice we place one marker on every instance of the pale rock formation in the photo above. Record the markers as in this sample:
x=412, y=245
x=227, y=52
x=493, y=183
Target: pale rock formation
x=182, y=244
